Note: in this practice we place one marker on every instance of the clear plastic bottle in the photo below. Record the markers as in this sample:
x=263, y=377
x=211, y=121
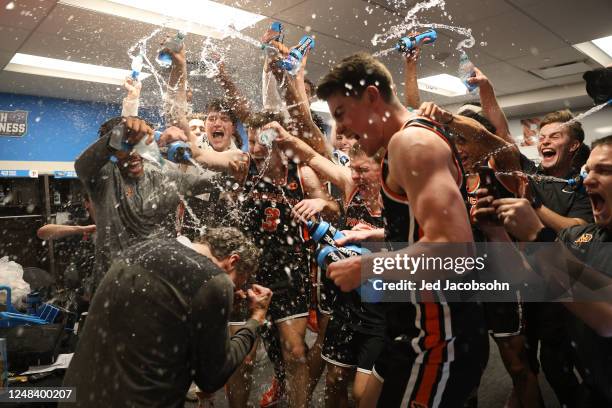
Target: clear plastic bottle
x=150, y=151
x=137, y=63
x=174, y=44
x=466, y=71
x=267, y=137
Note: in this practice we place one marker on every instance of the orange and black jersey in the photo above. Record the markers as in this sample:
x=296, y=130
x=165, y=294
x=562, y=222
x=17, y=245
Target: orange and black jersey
x=424, y=324
x=267, y=210
x=358, y=212
x=362, y=317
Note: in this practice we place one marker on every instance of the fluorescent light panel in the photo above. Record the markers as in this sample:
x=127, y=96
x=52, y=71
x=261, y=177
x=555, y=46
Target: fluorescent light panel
x=443, y=84
x=35, y=65
x=202, y=17
x=605, y=44
x=599, y=49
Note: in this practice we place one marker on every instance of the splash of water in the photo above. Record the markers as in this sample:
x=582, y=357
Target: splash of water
x=208, y=64
x=232, y=32
x=587, y=113
x=410, y=22
x=468, y=42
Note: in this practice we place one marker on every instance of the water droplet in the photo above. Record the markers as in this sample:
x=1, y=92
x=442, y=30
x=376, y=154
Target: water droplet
x=314, y=15
x=10, y=5
x=483, y=43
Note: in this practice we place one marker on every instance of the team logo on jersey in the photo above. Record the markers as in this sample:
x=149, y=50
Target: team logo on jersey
x=293, y=185
x=584, y=238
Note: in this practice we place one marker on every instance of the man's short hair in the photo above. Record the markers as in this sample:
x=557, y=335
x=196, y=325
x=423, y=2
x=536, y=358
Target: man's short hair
x=356, y=151
x=478, y=117
x=353, y=75
x=562, y=116
x=602, y=141
x=197, y=115
x=259, y=119
x=222, y=106
x=225, y=241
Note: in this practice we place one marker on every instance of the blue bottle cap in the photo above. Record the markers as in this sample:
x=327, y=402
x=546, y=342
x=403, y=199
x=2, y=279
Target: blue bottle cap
x=323, y=253
x=320, y=231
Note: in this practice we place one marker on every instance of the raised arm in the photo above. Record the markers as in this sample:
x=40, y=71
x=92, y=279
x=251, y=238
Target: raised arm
x=238, y=102
x=131, y=102
x=338, y=175
x=490, y=106
x=411, y=87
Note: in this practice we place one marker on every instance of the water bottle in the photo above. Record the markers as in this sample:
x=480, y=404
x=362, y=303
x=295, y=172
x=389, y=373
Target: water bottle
x=150, y=151
x=179, y=152
x=466, y=71
x=174, y=44
x=137, y=62
x=33, y=302
x=267, y=137
x=293, y=61
x=342, y=158
x=407, y=44
x=327, y=235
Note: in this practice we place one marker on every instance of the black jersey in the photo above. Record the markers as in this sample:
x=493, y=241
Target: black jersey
x=357, y=212
x=267, y=211
x=362, y=317
x=425, y=325
x=591, y=245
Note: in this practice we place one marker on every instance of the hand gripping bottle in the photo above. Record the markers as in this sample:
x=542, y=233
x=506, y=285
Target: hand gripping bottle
x=267, y=137
x=466, y=71
x=179, y=152
x=326, y=235
x=294, y=60
x=407, y=44
x=174, y=44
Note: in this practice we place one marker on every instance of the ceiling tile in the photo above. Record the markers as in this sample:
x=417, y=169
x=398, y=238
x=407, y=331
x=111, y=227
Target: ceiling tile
x=514, y=35
x=11, y=38
x=25, y=14
x=509, y=79
x=574, y=21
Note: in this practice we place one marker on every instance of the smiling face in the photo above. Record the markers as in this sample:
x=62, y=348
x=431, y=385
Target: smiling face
x=130, y=164
x=556, y=147
x=599, y=184
x=219, y=130
x=358, y=115
x=344, y=142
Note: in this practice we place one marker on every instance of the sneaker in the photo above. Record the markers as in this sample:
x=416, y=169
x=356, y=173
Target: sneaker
x=272, y=396
x=313, y=322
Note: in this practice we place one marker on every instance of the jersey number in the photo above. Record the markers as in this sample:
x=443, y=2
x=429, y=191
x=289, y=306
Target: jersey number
x=271, y=222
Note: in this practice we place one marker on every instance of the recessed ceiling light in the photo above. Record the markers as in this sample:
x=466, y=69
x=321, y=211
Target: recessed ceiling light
x=599, y=49
x=33, y=64
x=443, y=84
x=605, y=130
x=202, y=17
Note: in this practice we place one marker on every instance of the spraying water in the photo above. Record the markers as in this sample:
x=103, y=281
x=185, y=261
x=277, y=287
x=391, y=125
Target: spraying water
x=587, y=113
